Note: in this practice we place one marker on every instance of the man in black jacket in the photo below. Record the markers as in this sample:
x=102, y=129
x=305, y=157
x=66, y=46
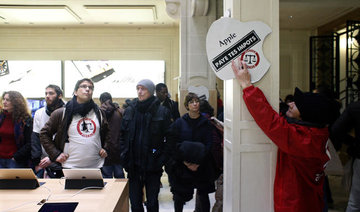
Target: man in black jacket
x=145, y=137
x=163, y=95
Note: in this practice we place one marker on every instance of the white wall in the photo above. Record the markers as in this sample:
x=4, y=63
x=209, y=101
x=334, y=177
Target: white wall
x=95, y=44
x=294, y=60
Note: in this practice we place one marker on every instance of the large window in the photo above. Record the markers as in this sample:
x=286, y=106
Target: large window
x=117, y=77
x=30, y=77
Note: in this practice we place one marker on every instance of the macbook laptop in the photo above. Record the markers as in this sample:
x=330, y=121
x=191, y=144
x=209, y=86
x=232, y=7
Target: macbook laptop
x=82, y=174
x=82, y=178
x=18, y=179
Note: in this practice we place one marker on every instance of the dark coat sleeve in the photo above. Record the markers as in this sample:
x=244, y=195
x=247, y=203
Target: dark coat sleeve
x=125, y=131
x=104, y=134
x=36, y=150
x=175, y=112
x=48, y=131
x=24, y=153
x=342, y=126
x=170, y=138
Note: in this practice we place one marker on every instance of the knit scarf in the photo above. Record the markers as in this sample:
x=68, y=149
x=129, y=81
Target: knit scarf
x=73, y=107
x=143, y=106
x=51, y=108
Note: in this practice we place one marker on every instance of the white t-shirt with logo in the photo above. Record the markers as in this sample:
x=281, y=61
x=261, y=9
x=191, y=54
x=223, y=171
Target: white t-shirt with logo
x=84, y=143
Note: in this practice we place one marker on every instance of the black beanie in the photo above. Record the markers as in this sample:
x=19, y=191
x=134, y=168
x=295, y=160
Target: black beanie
x=313, y=107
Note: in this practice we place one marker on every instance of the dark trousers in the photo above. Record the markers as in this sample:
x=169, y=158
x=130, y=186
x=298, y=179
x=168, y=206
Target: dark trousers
x=151, y=181
x=203, y=204
x=10, y=163
x=110, y=171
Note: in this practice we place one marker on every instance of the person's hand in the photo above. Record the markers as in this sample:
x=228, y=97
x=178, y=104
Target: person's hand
x=192, y=166
x=37, y=168
x=241, y=73
x=103, y=153
x=62, y=158
x=45, y=162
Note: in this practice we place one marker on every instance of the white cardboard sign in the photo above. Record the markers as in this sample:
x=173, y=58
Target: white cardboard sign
x=200, y=91
x=229, y=39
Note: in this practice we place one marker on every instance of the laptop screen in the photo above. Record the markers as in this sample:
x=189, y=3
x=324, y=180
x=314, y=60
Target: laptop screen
x=82, y=173
x=17, y=174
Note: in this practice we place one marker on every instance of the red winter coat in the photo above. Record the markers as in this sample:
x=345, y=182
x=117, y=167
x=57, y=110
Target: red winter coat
x=301, y=156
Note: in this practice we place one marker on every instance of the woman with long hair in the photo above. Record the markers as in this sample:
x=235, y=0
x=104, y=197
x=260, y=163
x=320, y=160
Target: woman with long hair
x=15, y=131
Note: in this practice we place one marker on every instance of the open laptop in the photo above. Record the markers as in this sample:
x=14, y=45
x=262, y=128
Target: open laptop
x=18, y=179
x=81, y=178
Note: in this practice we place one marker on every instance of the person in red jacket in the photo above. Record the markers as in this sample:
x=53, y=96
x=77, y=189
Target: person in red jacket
x=301, y=137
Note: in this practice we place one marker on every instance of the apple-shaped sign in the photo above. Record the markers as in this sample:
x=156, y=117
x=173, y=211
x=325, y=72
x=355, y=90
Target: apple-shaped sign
x=201, y=91
x=229, y=39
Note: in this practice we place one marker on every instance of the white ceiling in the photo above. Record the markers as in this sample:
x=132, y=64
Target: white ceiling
x=310, y=14
x=294, y=14
x=84, y=12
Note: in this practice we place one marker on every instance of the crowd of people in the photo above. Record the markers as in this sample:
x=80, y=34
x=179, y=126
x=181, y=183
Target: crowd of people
x=139, y=139
x=147, y=135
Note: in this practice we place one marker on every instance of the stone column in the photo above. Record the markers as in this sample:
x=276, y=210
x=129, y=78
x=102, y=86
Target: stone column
x=250, y=157
x=196, y=16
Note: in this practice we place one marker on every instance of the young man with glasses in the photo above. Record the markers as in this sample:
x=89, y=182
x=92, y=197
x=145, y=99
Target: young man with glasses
x=80, y=129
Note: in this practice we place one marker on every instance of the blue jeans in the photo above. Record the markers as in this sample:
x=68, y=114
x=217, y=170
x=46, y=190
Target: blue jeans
x=113, y=171
x=40, y=173
x=354, y=198
x=10, y=163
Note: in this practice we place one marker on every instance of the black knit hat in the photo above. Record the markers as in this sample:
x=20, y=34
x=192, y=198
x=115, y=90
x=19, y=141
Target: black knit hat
x=313, y=107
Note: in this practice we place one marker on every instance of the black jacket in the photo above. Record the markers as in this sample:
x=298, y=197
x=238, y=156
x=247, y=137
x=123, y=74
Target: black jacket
x=348, y=120
x=173, y=107
x=200, y=133
x=155, y=137
x=114, y=117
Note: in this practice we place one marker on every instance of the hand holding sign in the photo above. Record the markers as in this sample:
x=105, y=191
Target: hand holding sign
x=241, y=73
x=229, y=39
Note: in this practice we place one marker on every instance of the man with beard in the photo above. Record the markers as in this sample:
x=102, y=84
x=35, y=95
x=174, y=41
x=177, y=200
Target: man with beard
x=80, y=129
x=41, y=160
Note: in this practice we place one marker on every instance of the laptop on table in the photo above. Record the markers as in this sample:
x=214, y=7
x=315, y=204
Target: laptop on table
x=83, y=178
x=18, y=179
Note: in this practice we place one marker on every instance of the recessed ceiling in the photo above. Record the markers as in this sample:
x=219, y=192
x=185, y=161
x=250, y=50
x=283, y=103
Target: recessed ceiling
x=19, y=13
x=311, y=14
x=40, y=14
x=122, y=13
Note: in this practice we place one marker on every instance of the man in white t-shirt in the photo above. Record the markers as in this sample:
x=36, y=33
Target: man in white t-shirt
x=80, y=129
x=40, y=159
